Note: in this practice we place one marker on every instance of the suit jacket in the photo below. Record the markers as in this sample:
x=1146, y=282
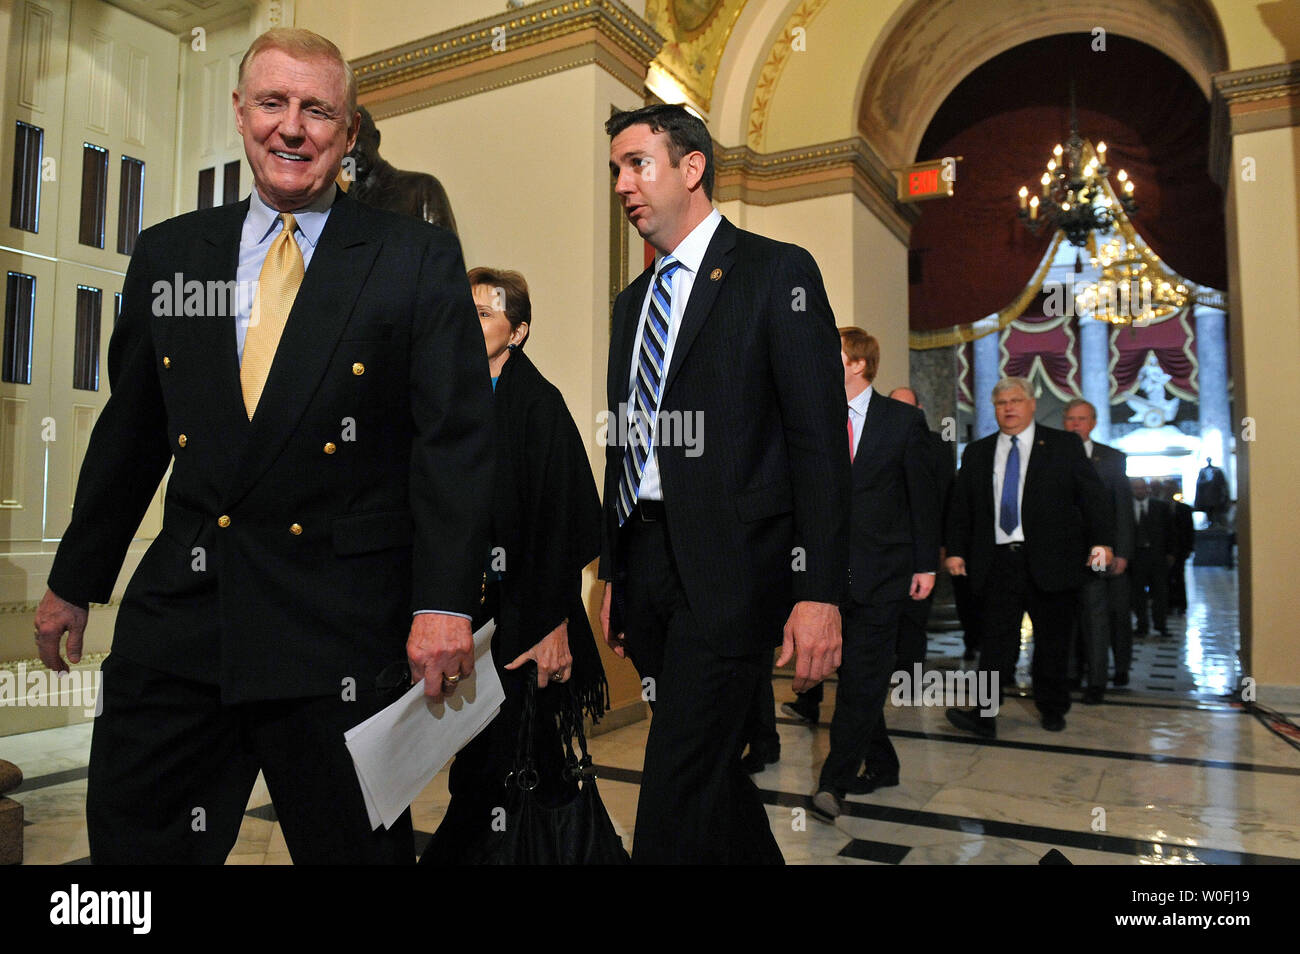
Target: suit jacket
x=294, y=547
x=1064, y=511
x=758, y=519
x=894, y=530
x=1156, y=530
x=1112, y=468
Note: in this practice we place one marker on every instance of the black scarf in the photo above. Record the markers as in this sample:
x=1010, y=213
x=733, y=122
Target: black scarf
x=546, y=518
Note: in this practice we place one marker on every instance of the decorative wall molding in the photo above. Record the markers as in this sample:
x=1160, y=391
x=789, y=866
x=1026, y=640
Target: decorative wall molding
x=770, y=74
x=832, y=168
x=514, y=47
x=694, y=46
x=1252, y=100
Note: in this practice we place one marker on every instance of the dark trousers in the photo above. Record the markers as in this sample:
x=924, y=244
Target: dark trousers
x=1009, y=593
x=1103, y=626
x=760, y=724
x=171, y=769
x=1178, y=585
x=870, y=646
x=912, y=637
x=968, y=611
x=1150, y=571
x=697, y=804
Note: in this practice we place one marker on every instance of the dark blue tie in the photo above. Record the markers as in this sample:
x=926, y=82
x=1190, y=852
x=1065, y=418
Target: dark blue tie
x=1010, y=517
x=644, y=403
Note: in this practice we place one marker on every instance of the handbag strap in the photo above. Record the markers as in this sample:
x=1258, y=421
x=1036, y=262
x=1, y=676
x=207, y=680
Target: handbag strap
x=524, y=774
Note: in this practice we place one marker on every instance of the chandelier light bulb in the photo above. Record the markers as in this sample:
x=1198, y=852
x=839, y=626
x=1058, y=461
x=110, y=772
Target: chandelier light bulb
x=1033, y=208
x=1024, y=197
x=1101, y=149
x=1123, y=176
x=1128, y=187
x=1057, y=151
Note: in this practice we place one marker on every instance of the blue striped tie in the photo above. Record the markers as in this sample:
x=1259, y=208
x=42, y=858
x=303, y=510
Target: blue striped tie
x=643, y=405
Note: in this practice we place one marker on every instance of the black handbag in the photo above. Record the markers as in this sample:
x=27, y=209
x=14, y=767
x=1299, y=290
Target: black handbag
x=577, y=832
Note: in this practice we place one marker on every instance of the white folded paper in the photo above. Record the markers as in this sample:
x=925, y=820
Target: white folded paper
x=399, y=750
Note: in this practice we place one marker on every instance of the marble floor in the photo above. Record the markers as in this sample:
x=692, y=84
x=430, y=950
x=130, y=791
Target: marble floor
x=1168, y=771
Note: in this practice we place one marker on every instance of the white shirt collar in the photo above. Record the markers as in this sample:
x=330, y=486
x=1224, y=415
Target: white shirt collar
x=859, y=403
x=1024, y=439
x=690, y=251
x=1087, y=448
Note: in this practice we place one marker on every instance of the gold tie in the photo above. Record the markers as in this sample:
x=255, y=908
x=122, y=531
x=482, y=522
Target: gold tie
x=277, y=286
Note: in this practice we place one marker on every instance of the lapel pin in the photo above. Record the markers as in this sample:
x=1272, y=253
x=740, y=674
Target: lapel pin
x=715, y=274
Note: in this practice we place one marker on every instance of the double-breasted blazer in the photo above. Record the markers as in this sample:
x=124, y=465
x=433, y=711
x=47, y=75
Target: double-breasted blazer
x=294, y=547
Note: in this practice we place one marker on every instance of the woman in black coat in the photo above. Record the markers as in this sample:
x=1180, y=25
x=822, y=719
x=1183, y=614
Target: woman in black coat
x=545, y=529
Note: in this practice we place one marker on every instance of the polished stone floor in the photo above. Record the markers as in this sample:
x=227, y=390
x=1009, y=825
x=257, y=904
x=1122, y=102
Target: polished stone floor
x=1165, y=772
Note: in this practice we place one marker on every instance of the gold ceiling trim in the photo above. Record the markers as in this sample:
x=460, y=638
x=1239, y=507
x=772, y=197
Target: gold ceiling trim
x=770, y=74
x=832, y=168
x=690, y=55
x=1251, y=100
x=545, y=59
x=516, y=34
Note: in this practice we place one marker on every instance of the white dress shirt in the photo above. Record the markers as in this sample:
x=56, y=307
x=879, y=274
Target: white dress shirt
x=858, y=415
x=1087, y=449
x=1024, y=444
x=690, y=253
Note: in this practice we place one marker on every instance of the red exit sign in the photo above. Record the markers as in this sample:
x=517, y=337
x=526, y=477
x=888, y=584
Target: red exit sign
x=927, y=180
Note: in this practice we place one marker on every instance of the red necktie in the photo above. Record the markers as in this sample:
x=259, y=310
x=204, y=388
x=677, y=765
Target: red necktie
x=852, y=443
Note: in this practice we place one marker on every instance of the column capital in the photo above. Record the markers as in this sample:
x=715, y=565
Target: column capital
x=1250, y=100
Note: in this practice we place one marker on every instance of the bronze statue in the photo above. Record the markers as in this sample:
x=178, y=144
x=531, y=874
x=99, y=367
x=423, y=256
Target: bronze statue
x=377, y=183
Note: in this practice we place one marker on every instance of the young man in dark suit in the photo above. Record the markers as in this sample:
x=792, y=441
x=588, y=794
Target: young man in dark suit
x=893, y=557
x=1103, y=623
x=1027, y=521
x=326, y=514
x=716, y=551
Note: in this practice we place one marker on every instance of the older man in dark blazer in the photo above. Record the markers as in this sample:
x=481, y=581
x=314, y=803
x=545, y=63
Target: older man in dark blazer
x=1103, y=623
x=719, y=548
x=326, y=512
x=1027, y=521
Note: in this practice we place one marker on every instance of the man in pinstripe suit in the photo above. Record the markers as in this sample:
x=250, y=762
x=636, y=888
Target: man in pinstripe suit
x=715, y=551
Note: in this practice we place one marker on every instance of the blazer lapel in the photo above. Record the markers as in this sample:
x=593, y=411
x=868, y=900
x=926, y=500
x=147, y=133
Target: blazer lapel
x=338, y=269
x=216, y=337
x=704, y=292
x=870, y=436
x=623, y=338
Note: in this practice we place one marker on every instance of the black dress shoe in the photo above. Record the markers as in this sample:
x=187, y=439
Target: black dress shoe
x=1093, y=695
x=1121, y=678
x=757, y=759
x=802, y=710
x=868, y=782
x=972, y=721
x=1053, y=722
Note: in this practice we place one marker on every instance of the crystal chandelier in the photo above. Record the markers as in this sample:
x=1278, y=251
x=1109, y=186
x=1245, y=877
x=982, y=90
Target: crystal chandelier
x=1074, y=195
x=1133, y=286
